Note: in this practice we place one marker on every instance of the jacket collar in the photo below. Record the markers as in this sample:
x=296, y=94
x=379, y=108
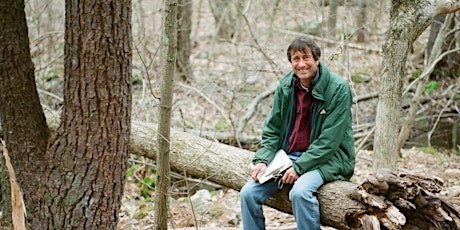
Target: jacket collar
x=321, y=84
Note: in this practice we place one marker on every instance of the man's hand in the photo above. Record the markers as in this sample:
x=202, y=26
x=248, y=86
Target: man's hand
x=258, y=170
x=290, y=176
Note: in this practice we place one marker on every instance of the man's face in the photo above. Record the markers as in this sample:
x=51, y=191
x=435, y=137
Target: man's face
x=304, y=65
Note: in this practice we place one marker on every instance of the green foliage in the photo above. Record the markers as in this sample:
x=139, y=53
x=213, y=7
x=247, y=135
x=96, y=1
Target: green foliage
x=146, y=184
x=54, y=74
x=244, y=103
x=216, y=211
x=131, y=170
x=144, y=210
x=431, y=87
x=185, y=123
x=360, y=77
x=416, y=74
x=457, y=96
x=136, y=80
x=147, y=188
x=442, y=160
x=428, y=150
x=222, y=125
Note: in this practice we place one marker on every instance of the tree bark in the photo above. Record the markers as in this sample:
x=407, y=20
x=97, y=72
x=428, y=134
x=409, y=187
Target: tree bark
x=415, y=15
x=226, y=17
x=184, y=43
x=83, y=180
x=344, y=205
x=361, y=20
x=332, y=19
x=163, y=137
x=23, y=123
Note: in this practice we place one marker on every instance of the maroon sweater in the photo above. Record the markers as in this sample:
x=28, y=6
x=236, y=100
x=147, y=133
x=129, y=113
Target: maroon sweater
x=300, y=136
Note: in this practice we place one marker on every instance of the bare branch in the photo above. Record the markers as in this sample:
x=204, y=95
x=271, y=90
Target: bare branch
x=441, y=112
x=405, y=130
x=334, y=42
x=209, y=100
x=445, y=6
x=252, y=107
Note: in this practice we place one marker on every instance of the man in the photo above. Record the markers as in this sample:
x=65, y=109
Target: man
x=311, y=120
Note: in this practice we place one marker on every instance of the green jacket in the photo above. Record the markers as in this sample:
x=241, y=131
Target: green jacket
x=331, y=149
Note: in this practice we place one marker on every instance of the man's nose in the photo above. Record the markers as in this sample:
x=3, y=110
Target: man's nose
x=302, y=62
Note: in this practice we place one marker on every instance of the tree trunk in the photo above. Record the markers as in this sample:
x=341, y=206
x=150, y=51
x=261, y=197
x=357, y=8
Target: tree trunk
x=184, y=46
x=23, y=121
x=398, y=43
x=163, y=137
x=344, y=205
x=361, y=21
x=415, y=15
x=332, y=18
x=82, y=185
x=226, y=17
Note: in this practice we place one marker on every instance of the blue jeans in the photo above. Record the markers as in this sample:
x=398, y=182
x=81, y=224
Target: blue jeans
x=304, y=203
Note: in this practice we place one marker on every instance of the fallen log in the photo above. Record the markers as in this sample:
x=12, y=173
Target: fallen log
x=229, y=166
x=385, y=200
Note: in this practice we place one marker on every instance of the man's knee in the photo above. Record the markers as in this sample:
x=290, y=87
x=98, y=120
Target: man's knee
x=300, y=193
x=246, y=192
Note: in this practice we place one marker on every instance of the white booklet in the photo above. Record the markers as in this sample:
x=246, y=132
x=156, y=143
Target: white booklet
x=280, y=163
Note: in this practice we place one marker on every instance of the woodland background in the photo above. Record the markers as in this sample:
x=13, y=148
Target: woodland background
x=237, y=55
x=229, y=69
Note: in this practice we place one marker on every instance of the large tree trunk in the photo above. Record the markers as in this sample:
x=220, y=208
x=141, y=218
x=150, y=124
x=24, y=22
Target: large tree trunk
x=23, y=122
x=344, y=205
x=83, y=180
x=408, y=19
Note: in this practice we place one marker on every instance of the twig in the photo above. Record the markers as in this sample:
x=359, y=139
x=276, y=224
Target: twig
x=207, y=99
x=334, y=42
x=259, y=47
x=178, y=175
x=252, y=107
x=60, y=99
x=363, y=141
x=58, y=57
x=146, y=68
x=366, y=97
x=441, y=112
x=430, y=69
x=423, y=78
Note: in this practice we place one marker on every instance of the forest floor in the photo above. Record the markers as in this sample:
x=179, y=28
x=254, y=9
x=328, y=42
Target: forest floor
x=223, y=210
